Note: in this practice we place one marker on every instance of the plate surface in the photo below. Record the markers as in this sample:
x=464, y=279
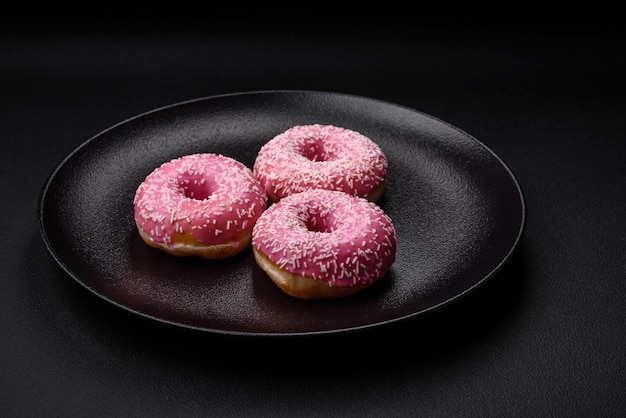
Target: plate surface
x=458, y=210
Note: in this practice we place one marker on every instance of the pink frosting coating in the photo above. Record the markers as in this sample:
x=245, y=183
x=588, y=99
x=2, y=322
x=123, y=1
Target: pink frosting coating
x=327, y=235
x=211, y=197
x=320, y=157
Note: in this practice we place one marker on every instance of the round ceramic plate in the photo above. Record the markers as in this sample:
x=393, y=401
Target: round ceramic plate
x=457, y=208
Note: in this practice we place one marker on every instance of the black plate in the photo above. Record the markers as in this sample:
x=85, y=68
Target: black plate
x=457, y=208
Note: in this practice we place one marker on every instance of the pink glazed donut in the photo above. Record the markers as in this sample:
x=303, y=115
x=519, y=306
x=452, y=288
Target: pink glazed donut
x=321, y=157
x=324, y=244
x=202, y=205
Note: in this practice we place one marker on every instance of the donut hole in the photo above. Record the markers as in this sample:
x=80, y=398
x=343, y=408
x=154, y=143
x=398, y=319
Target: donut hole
x=319, y=224
x=194, y=188
x=315, y=150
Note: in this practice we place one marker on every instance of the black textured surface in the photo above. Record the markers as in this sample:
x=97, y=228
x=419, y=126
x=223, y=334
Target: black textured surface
x=545, y=336
x=457, y=209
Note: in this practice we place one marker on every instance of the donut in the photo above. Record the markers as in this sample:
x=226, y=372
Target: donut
x=318, y=156
x=201, y=205
x=324, y=244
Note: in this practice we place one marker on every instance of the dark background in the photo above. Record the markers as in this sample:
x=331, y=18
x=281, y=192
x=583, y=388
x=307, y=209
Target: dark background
x=544, y=337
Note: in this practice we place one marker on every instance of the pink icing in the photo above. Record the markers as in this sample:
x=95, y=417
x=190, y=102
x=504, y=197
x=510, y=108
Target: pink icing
x=320, y=157
x=327, y=235
x=208, y=196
